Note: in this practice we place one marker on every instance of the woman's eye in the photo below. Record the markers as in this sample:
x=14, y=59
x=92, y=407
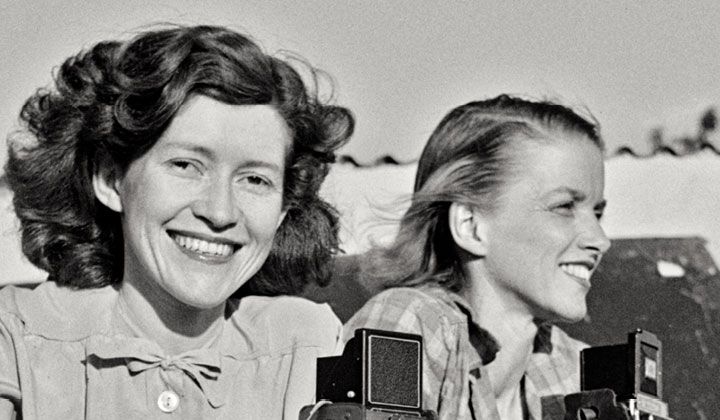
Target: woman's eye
x=257, y=180
x=185, y=167
x=566, y=207
x=257, y=183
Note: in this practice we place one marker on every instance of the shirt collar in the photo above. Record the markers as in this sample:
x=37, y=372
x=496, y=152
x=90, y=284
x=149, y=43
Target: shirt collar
x=61, y=313
x=203, y=365
x=485, y=345
x=481, y=339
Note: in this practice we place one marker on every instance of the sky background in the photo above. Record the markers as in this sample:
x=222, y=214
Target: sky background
x=400, y=65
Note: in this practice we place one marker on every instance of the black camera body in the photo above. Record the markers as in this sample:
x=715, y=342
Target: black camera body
x=378, y=376
x=621, y=381
x=355, y=411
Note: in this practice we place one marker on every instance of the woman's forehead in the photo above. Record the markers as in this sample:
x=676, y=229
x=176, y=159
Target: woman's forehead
x=569, y=161
x=228, y=131
x=524, y=146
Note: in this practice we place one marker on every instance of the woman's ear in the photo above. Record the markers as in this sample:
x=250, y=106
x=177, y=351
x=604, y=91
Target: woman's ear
x=467, y=228
x=105, y=185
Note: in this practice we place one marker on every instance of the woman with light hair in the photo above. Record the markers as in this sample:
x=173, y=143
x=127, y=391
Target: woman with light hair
x=499, y=244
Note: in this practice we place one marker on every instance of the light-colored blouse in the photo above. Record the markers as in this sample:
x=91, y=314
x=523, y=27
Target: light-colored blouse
x=64, y=354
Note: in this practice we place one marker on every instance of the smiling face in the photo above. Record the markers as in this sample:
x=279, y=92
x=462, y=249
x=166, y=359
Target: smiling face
x=544, y=239
x=200, y=209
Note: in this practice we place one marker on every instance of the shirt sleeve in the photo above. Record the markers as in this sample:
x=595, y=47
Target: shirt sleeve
x=319, y=333
x=410, y=311
x=9, y=378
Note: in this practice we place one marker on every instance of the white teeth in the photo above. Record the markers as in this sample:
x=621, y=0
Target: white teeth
x=202, y=246
x=576, y=270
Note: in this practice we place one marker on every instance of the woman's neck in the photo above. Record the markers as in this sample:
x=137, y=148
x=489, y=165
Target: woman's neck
x=513, y=327
x=151, y=313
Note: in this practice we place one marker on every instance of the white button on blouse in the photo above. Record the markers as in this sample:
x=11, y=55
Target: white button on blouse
x=267, y=352
x=168, y=401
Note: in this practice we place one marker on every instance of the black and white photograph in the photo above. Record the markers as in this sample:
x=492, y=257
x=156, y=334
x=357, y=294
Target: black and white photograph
x=360, y=210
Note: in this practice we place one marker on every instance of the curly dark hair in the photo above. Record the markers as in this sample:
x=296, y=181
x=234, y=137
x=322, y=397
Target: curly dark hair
x=109, y=106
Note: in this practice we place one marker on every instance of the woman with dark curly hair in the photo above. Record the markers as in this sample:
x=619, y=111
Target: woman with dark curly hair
x=498, y=244
x=170, y=190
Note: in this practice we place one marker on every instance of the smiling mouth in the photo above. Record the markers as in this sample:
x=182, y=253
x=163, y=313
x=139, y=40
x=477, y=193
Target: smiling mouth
x=202, y=247
x=579, y=271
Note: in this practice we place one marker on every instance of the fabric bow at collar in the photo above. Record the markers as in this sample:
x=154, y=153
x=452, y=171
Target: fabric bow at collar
x=202, y=365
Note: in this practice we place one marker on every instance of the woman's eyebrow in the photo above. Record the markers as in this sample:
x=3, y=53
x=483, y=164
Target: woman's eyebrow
x=191, y=147
x=254, y=163
x=581, y=196
x=575, y=194
x=210, y=154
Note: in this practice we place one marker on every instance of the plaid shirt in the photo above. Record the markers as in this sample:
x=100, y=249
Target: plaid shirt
x=455, y=381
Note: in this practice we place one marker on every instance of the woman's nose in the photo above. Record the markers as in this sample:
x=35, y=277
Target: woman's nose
x=594, y=236
x=217, y=206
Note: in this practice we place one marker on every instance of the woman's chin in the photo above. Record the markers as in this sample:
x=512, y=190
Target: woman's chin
x=565, y=315
x=573, y=316
x=203, y=301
